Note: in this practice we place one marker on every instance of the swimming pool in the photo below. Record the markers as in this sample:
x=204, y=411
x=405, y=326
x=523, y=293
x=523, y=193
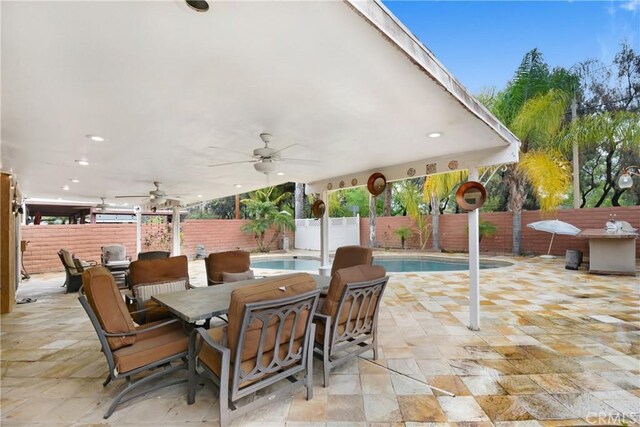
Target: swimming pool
x=393, y=265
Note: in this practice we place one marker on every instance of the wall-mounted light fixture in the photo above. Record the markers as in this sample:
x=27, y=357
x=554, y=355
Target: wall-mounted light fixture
x=626, y=178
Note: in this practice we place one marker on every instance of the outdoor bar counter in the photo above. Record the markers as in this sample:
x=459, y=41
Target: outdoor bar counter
x=611, y=253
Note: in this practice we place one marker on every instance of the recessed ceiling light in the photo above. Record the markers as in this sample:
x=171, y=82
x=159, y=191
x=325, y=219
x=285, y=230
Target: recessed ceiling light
x=279, y=173
x=59, y=198
x=95, y=138
x=198, y=5
x=125, y=204
x=65, y=188
x=199, y=195
x=238, y=185
x=75, y=181
x=435, y=135
x=82, y=162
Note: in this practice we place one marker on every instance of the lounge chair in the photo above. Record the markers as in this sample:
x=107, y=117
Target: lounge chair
x=347, y=322
x=73, y=268
x=130, y=349
x=268, y=340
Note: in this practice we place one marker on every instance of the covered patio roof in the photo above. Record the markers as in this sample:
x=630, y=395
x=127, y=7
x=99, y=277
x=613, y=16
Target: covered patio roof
x=343, y=81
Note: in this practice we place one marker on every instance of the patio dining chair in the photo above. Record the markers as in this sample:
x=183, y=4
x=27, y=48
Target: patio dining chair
x=269, y=339
x=347, y=321
x=131, y=350
x=153, y=255
x=229, y=266
x=155, y=276
x=350, y=256
x=73, y=268
x=114, y=257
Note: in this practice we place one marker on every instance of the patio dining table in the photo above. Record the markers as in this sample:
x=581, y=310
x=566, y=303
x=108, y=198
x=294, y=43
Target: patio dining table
x=206, y=302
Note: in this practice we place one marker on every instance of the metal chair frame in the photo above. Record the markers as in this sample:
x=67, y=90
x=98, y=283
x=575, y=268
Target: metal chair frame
x=114, y=375
x=360, y=334
x=260, y=376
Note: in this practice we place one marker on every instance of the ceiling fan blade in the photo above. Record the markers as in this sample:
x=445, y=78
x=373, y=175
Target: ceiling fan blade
x=232, y=163
x=287, y=159
x=130, y=197
x=215, y=147
x=282, y=149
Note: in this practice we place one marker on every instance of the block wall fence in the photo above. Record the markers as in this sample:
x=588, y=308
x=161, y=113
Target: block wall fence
x=454, y=237
x=85, y=240
x=219, y=235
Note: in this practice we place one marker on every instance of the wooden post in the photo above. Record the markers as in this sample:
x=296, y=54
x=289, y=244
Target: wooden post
x=237, y=206
x=7, y=246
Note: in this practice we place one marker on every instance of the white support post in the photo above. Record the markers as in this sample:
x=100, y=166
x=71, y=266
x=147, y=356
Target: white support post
x=138, y=232
x=325, y=267
x=175, y=234
x=474, y=263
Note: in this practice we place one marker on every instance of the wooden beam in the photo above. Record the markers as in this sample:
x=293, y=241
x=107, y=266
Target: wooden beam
x=7, y=246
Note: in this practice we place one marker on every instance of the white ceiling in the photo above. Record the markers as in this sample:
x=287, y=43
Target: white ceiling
x=163, y=83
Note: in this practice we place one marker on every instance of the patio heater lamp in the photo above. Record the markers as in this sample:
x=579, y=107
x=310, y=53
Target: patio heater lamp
x=626, y=179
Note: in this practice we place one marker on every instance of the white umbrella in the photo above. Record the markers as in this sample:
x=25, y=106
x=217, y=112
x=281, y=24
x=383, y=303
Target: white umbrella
x=554, y=226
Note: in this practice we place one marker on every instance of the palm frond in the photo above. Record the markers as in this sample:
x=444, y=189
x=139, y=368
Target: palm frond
x=548, y=174
x=611, y=129
x=442, y=184
x=540, y=118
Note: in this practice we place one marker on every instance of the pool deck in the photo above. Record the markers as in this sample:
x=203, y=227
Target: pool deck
x=556, y=347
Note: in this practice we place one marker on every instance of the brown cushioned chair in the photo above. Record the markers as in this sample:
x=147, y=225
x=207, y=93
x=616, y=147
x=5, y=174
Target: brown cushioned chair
x=130, y=349
x=269, y=338
x=350, y=256
x=347, y=322
x=156, y=276
x=226, y=262
x=153, y=255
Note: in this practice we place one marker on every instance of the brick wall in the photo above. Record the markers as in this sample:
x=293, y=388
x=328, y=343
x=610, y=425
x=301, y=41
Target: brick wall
x=86, y=240
x=219, y=235
x=453, y=230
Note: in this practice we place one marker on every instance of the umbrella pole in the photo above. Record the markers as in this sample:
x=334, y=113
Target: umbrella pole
x=551, y=243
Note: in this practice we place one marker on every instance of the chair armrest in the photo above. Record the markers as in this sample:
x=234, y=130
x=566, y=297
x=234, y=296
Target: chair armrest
x=210, y=342
x=322, y=317
x=143, y=331
x=327, y=327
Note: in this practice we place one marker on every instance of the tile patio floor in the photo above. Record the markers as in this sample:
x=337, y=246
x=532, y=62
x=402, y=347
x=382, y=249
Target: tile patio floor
x=556, y=347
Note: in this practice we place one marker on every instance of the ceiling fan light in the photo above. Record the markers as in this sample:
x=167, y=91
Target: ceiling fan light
x=264, y=167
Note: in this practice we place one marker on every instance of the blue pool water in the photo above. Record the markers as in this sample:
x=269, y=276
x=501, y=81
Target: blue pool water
x=395, y=265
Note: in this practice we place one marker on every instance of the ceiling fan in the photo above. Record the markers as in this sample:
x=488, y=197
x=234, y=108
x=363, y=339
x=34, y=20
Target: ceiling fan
x=265, y=158
x=156, y=197
x=102, y=206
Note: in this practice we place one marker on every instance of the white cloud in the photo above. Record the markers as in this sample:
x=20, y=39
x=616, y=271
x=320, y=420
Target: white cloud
x=631, y=5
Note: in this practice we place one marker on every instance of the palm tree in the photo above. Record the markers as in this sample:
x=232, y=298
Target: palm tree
x=533, y=106
x=268, y=210
x=410, y=196
x=437, y=187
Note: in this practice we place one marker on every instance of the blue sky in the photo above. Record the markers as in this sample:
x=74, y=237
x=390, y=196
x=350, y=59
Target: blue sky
x=483, y=42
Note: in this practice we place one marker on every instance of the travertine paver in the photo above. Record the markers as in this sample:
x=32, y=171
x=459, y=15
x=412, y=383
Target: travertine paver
x=555, y=347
